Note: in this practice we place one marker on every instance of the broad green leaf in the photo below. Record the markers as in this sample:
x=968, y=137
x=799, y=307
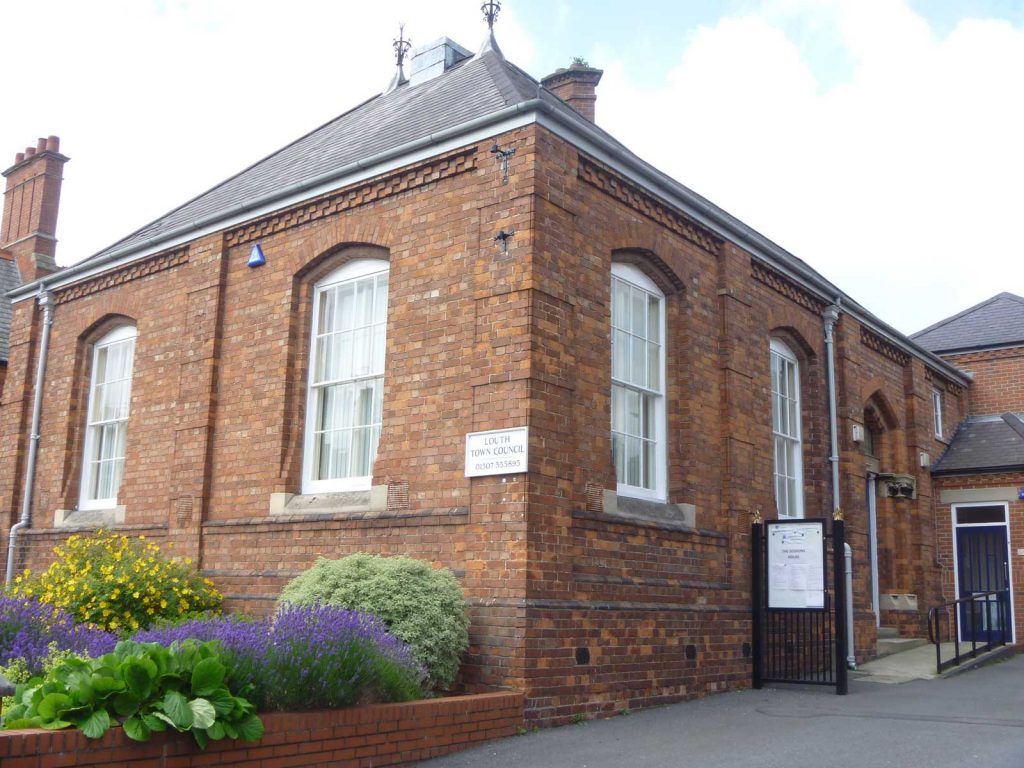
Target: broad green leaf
x=164, y=718
x=216, y=731
x=222, y=701
x=154, y=723
x=139, y=676
x=250, y=728
x=207, y=677
x=52, y=705
x=56, y=725
x=96, y=724
x=126, y=704
x=230, y=730
x=135, y=728
x=176, y=707
x=22, y=723
x=203, y=713
x=105, y=685
x=201, y=738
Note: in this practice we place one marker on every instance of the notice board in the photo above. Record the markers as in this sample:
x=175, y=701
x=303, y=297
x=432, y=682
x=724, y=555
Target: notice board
x=796, y=563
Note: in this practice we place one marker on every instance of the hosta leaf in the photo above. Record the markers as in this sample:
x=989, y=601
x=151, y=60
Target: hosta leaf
x=104, y=685
x=176, y=707
x=203, y=713
x=207, y=677
x=56, y=725
x=53, y=704
x=21, y=723
x=165, y=719
x=216, y=731
x=135, y=728
x=96, y=724
x=250, y=728
x=230, y=730
x=201, y=738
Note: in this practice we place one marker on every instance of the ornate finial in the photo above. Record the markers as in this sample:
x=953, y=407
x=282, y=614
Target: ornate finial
x=491, y=10
x=755, y=517
x=401, y=46
x=838, y=514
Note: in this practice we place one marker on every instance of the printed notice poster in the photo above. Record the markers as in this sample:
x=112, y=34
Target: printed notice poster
x=796, y=564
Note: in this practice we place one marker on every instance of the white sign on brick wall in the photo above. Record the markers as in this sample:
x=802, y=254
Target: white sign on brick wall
x=497, y=452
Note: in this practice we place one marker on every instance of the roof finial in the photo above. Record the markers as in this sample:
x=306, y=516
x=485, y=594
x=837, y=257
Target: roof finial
x=491, y=9
x=401, y=46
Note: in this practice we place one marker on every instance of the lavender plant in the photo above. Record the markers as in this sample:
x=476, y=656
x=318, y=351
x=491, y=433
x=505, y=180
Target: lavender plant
x=307, y=657
x=33, y=631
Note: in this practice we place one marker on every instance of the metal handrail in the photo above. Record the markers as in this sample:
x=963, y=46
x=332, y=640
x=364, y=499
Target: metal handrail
x=934, y=629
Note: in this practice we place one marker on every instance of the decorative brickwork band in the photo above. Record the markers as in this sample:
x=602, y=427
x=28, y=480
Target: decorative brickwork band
x=788, y=288
x=951, y=386
x=614, y=185
x=884, y=347
x=137, y=269
x=438, y=168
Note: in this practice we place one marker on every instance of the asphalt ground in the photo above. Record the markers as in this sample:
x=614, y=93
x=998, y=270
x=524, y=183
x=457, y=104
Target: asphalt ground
x=973, y=719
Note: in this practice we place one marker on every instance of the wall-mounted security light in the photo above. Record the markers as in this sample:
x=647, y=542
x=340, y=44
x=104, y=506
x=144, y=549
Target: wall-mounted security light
x=925, y=460
x=858, y=433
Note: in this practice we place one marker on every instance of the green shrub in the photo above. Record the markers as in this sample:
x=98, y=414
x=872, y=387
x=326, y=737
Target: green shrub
x=145, y=686
x=421, y=605
x=118, y=583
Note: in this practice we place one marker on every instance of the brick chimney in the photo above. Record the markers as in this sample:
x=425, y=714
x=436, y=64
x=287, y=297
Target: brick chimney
x=576, y=86
x=31, y=199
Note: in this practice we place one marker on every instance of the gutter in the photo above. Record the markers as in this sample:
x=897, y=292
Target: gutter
x=46, y=302
x=663, y=185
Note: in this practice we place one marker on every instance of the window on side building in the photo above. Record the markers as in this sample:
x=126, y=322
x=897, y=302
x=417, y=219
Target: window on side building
x=106, y=430
x=346, y=377
x=937, y=412
x=787, y=441
x=638, y=384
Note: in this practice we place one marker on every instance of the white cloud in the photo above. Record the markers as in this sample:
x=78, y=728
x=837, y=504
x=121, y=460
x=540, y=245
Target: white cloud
x=901, y=183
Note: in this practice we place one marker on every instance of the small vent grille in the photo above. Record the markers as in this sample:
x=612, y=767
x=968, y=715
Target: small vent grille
x=398, y=496
x=595, y=498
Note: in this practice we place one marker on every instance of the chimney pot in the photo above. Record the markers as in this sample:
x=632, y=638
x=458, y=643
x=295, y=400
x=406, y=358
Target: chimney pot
x=18, y=157
x=53, y=143
x=40, y=144
x=29, y=151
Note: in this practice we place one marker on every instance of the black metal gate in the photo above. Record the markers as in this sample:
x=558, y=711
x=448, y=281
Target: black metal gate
x=800, y=645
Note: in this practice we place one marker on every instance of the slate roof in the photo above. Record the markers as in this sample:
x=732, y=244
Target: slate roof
x=473, y=88
x=984, y=443
x=996, y=322
x=10, y=279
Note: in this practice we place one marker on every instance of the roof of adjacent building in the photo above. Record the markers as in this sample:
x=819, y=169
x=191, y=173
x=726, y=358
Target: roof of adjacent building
x=984, y=444
x=995, y=322
x=9, y=280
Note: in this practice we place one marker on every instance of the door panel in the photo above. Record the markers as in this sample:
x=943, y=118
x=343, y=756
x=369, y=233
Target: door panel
x=982, y=566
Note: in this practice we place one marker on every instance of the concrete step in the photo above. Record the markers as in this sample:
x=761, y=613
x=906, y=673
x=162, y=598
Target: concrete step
x=888, y=632
x=891, y=645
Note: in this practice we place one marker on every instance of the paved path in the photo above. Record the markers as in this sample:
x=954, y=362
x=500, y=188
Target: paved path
x=974, y=719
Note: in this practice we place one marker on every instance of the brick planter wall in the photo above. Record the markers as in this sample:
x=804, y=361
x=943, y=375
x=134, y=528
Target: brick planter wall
x=378, y=735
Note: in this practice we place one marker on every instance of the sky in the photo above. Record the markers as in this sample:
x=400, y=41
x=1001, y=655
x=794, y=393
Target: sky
x=881, y=141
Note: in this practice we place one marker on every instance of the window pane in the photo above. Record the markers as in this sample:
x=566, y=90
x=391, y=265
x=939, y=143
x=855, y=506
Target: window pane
x=619, y=457
x=633, y=461
x=620, y=304
x=620, y=355
x=618, y=408
x=638, y=363
x=649, y=464
x=638, y=312
x=653, y=318
x=632, y=412
x=654, y=366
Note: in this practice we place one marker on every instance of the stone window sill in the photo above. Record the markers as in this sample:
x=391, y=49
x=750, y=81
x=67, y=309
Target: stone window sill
x=88, y=518
x=642, y=510
x=356, y=503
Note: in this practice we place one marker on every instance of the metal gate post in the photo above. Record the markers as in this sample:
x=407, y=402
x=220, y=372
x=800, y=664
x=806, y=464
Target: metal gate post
x=757, y=596
x=839, y=591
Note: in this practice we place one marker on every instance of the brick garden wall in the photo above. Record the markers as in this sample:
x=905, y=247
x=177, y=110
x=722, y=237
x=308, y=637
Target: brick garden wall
x=360, y=737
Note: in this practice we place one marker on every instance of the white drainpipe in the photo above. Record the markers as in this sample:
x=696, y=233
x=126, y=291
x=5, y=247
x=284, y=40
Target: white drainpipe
x=46, y=303
x=851, y=653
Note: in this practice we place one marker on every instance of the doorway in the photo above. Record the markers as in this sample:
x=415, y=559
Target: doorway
x=982, y=561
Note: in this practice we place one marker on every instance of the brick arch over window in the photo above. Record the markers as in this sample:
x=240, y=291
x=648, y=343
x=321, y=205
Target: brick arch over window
x=78, y=403
x=653, y=266
x=881, y=420
x=300, y=323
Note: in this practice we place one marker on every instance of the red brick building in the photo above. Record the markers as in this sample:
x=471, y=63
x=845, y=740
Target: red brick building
x=979, y=512
x=291, y=364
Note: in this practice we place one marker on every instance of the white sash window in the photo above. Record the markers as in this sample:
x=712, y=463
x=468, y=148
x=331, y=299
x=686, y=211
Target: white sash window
x=788, y=445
